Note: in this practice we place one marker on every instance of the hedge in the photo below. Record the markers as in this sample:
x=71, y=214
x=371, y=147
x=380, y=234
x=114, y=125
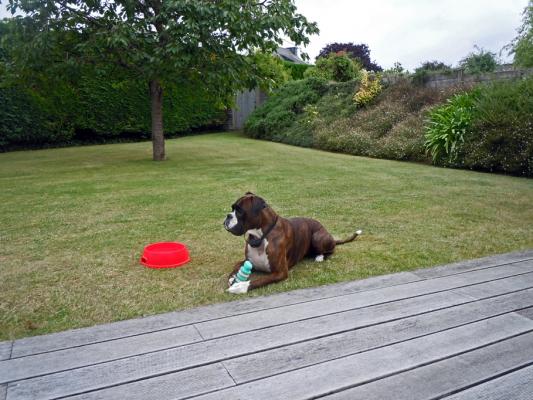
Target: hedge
x=98, y=109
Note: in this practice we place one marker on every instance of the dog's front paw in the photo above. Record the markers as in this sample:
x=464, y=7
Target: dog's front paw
x=231, y=280
x=239, y=287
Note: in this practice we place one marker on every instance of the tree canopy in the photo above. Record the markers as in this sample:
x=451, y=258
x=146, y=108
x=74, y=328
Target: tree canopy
x=360, y=52
x=522, y=45
x=204, y=41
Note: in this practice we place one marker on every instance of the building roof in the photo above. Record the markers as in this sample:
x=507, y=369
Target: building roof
x=289, y=54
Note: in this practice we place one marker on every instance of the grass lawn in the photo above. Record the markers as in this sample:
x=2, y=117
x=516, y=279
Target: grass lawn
x=74, y=221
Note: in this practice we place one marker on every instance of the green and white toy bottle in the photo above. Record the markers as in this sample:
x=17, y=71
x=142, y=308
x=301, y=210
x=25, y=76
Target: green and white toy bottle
x=244, y=272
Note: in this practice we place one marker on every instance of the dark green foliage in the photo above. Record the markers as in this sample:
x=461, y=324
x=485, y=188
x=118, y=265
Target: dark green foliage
x=502, y=132
x=296, y=71
x=282, y=109
x=25, y=122
x=338, y=67
x=479, y=61
x=522, y=45
x=160, y=42
x=392, y=127
x=488, y=129
x=359, y=52
x=427, y=69
x=98, y=109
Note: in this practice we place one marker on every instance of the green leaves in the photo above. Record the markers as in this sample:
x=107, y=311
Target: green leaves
x=447, y=126
x=172, y=40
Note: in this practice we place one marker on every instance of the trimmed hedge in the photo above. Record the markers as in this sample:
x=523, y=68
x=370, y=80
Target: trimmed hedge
x=98, y=109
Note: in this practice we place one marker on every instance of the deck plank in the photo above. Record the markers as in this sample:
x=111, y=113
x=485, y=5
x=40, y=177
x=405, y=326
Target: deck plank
x=171, y=386
x=528, y=312
x=122, y=371
x=83, y=336
x=5, y=350
x=517, y=385
x=284, y=359
x=137, y=326
x=441, y=378
x=495, y=288
x=338, y=340
x=189, y=356
x=325, y=378
x=469, y=265
x=271, y=317
x=46, y=363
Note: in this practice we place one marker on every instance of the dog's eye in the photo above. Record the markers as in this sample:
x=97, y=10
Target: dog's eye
x=237, y=209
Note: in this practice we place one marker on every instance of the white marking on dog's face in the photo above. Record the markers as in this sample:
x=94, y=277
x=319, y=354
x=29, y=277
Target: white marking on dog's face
x=258, y=255
x=232, y=221
x=319, y=258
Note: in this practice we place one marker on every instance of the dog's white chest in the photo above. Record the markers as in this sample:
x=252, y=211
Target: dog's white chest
x=258, y=255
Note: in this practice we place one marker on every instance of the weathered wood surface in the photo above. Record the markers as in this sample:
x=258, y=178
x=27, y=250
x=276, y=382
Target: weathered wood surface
x=461, y=331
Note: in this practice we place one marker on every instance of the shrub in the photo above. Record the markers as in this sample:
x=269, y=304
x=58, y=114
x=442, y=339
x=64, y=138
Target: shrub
x=369, y=89
x=359, y=52
x=271, y=69
x=447, y=126
x=428, y=68
x=502, y=129
x=24, y=121
x=97, y=109
x=479, y=61
x=338, y=67
x=392, y=126
x=296, y=71
x=282, y=109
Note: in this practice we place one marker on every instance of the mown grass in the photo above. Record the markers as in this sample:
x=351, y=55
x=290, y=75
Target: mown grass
x=74, y=221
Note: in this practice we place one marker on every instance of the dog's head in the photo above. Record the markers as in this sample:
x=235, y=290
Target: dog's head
x=245, y=214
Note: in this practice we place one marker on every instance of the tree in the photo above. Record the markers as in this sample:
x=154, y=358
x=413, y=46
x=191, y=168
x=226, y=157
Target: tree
x=522, y=45
x=356, y=51
x=204, y=41
x=479, y=61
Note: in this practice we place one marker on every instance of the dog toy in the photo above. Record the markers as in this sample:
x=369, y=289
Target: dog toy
x=241, y=281
x=244, y=272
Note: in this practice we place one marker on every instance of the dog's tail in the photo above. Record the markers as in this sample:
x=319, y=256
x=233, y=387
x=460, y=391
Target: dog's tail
x=350, y=239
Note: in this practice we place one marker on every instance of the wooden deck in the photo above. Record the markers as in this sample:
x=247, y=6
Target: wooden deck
x=462, y=331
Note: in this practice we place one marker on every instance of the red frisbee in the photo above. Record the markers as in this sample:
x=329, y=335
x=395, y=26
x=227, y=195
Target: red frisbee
x=165, y=255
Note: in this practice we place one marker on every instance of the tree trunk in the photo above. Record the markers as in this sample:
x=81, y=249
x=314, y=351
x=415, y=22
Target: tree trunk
x=158, y=139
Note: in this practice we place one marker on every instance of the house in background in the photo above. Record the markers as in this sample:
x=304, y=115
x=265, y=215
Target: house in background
x=247, y=101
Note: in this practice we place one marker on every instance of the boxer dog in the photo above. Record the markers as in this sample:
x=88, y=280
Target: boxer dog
x=275, y=244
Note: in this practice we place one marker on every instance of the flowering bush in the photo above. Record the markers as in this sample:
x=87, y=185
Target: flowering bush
x=369, y=89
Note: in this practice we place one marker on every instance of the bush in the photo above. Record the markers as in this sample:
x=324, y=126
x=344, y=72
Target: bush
x=338, y=67
x=96, y=109
x=391, y=127
x=359, y=52
x=447, y=127
x=296, y=71
x=502, y=129
x=284, y=106
x=479, y=61
x=369, y=89
x=427, y=69
x=24, y=121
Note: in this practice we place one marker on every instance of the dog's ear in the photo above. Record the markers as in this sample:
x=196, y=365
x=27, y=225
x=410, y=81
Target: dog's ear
x=258, y=204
